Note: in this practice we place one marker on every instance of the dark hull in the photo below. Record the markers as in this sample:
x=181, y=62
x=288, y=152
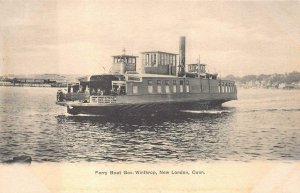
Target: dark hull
x=146, y=109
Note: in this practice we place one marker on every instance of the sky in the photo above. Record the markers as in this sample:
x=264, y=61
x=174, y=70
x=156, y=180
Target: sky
x=79, y=37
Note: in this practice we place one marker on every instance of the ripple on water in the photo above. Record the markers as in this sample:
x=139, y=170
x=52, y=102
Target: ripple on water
x=255, y=127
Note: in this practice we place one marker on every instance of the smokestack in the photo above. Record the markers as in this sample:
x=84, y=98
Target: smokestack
x=181, y=71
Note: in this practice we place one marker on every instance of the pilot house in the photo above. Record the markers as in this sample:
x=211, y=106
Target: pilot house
x=159, y=63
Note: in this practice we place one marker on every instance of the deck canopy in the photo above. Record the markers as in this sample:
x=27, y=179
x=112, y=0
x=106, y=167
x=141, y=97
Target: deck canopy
x=104, y=82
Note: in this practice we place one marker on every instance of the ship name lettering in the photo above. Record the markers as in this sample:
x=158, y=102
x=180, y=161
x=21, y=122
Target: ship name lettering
x=115, y=172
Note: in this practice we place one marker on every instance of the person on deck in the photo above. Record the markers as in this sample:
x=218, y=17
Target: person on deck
x=118, y=91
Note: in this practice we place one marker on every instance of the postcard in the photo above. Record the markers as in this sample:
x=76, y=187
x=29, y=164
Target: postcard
x=149, y=96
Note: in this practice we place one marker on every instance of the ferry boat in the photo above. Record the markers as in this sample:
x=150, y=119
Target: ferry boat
x=165, y=86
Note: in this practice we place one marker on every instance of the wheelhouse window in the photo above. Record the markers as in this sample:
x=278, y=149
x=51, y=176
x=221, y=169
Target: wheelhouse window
x=150, y=86
x=187, y=86
x=134, y=89
x=222, y=88
x=174, y=86
x=167, y=86
x=158, y=86
x=181, y=86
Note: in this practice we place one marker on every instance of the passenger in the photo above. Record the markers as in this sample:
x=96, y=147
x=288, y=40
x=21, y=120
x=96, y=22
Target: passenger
x=93, y=92
x=118, y=91
x=61, y=96
x=113, y=92
x=98, y=91
x=58, y=95
x=123, y=91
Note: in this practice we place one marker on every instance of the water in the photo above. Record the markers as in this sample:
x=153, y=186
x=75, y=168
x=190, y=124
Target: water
x=261, y=125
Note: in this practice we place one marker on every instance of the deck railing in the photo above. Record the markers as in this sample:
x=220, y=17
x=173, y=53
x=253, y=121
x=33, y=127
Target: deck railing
x=103, y=99
x=76, y=96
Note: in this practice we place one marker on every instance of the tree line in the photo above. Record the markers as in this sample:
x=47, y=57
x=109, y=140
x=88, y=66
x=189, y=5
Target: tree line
x=288, y=78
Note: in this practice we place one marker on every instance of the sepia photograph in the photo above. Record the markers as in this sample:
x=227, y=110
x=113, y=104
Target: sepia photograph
x=149, y=96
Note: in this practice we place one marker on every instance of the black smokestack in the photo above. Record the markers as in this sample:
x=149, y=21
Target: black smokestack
x=181, y=71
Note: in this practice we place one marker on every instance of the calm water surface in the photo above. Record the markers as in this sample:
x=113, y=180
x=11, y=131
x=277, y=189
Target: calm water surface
x=261, y=125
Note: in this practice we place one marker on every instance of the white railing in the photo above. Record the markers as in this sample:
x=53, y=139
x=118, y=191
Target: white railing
x=103, y=99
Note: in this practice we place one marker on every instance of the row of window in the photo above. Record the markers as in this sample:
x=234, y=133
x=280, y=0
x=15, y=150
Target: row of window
x=173, y=88
x=166, y=87
x=126, y=60
x=227, y=89
x=167, y=82
x=153, y=59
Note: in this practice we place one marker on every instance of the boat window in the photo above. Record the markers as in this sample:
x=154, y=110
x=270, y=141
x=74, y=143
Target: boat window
x=174, y=88
x=147, y=60
x=134, y=78
x=167, y=89
x=158, y=86
x=150, y=86
x=150, y=89
x=134, y=89
x=181, y=86
x=187, y=87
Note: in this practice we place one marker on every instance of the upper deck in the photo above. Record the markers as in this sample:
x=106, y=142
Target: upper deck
x=164, y=74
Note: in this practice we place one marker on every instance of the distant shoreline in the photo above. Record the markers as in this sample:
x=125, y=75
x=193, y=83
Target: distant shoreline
x=5, y=84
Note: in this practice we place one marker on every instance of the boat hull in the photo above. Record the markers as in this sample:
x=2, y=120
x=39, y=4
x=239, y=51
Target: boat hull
x=141, y=109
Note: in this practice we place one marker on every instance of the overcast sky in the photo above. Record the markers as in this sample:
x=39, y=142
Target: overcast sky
x=79, y=37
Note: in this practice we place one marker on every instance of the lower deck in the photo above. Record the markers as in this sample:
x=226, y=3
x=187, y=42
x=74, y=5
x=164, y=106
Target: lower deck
x=108, y=105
